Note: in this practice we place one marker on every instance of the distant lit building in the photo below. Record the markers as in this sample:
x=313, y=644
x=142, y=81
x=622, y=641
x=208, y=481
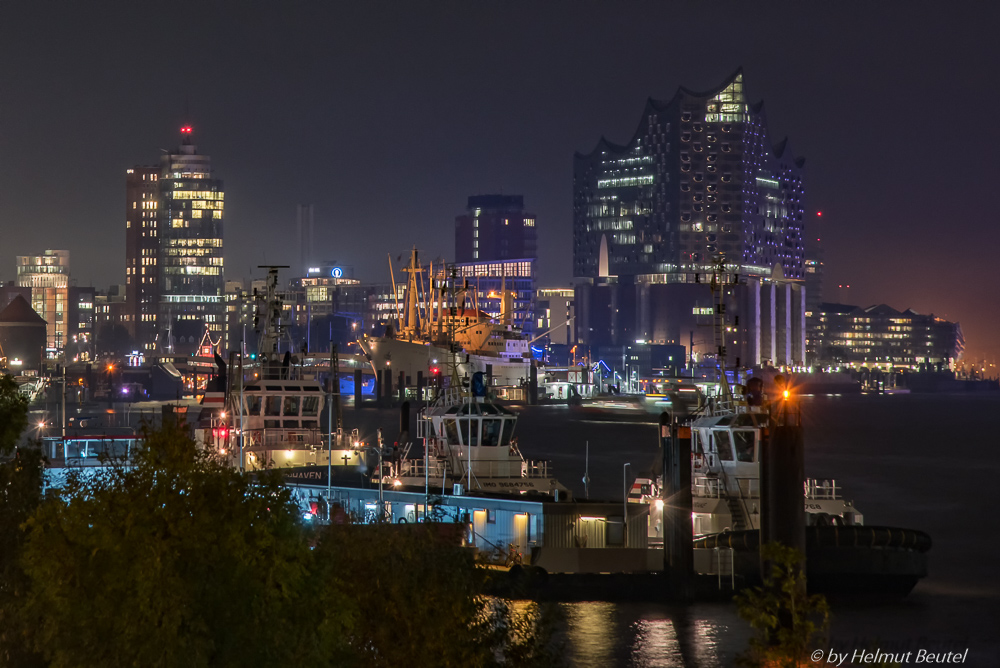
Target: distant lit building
x=67, y=310
x=882, y=337
x=487, y=282
x=495, y=227
x=699, y=191
x=142, y=254
x=555, y=311
x=48, y=270
x=814, y=297
x=191, y=286
x=330, y=304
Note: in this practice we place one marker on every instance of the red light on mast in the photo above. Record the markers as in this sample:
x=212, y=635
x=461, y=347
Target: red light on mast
x=819, y=213
x=186, y=129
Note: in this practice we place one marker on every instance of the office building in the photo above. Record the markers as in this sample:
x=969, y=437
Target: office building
x=67, y=310
x=142, y=254
x=699, y=197
x=813, y=264
x=555, y=312
x=496, y=246
x=190, y=205
x=495, y=227
x=489, y=280
x=884, y=338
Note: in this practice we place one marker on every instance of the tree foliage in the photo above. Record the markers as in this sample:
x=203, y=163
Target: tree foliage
x=416, y=594
x=175, y=559
x=20, y=496
x=13, y=414
x=787, y=619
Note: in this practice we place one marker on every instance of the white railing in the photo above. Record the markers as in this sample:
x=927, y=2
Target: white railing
x=707, y=487
x=723, y=568
x=821, y=489
x=282, y=439
x=482, y=468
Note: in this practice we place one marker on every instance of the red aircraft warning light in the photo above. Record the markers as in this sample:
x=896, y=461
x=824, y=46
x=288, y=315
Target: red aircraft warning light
x=186, y=130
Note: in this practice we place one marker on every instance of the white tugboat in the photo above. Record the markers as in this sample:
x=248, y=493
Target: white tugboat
x=469, y=444
x=273, y=421
x=725, y=475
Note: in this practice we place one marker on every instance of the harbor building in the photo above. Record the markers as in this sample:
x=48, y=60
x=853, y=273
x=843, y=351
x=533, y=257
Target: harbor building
x=698, y=198
x=884, y=338
x=190, y=272
x=142, y=254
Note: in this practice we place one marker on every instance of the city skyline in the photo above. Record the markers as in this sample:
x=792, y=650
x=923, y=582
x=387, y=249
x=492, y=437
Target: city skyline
x=390, y=125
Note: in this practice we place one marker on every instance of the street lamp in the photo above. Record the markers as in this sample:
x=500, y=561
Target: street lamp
x=625, y=504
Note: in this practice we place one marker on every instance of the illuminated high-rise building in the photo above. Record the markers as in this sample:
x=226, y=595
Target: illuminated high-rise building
x=699, y=190
x=190, y=257
x=142, y=254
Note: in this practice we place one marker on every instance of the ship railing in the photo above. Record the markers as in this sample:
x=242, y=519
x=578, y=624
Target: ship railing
x=821, y=489
x=749, y=488
x=281, y=439
x=480, y=468
x=725, y=564
x=706, y=487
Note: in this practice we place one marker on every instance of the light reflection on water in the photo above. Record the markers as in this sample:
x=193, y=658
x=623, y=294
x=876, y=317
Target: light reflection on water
x=601, y=635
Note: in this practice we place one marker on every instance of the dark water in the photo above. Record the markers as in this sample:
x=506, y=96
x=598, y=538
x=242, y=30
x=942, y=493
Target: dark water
x=928, y=462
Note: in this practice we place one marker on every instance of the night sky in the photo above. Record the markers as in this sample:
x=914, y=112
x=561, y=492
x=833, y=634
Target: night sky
x=386, y=116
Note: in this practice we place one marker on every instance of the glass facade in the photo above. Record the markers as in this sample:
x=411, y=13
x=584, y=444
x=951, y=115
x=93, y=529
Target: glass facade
x=699, y=183
x=191, y=276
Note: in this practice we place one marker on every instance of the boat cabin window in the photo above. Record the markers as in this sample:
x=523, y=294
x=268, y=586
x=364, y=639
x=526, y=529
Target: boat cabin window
x=696, y=445
x=508, y=432
x=310, y=406
x=291, y=406
x=272, y=406
x=723, y=444
x=451, y=430
x=470, y=431
x=491, y=431
x=743, y=441
x=253, y=405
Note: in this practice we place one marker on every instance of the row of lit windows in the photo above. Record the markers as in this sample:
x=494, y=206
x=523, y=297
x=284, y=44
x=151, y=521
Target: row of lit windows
x=214, y=243
x=626, y=181
x=196, y=194
x=194, y=271
x=196, y=213
x=189, y=252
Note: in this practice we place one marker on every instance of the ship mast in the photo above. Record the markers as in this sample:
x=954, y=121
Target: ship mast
x=267, y=322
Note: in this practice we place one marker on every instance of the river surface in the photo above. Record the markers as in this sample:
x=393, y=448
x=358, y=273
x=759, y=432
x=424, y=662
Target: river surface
x=928, y=462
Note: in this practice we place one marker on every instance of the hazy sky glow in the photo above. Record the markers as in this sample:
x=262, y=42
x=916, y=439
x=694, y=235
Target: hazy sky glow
x=387, y=116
